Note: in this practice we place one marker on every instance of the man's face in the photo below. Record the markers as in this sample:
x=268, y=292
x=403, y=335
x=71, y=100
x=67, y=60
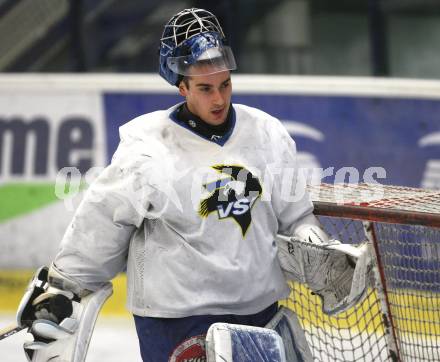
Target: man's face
x=208, y=96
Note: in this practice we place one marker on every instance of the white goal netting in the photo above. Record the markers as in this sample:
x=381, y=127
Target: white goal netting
x=400, y=319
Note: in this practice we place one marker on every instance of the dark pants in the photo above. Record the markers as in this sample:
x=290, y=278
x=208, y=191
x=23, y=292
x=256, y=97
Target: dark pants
x=177, y=339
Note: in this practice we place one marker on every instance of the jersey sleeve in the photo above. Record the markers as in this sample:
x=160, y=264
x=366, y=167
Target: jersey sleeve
x=95, y=246
x=290, y=198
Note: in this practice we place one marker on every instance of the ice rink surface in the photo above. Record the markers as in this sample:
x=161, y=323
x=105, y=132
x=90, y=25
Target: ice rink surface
x=114, y=340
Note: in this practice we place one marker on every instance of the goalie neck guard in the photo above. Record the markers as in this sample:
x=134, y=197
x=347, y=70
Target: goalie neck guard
x=193, y=43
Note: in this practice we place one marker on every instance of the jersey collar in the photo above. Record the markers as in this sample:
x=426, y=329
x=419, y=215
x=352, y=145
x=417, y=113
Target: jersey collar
x=216, y=134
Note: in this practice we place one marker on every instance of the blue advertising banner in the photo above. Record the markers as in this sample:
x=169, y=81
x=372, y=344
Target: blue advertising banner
x=400, y=135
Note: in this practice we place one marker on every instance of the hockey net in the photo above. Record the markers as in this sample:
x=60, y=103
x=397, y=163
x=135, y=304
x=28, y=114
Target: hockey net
x=399, y=320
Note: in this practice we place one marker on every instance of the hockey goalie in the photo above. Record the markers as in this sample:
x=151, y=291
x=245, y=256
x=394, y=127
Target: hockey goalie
x=185, y=208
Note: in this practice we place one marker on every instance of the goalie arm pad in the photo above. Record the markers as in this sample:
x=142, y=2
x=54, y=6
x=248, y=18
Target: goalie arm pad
x=61, y=281
x=336, y=272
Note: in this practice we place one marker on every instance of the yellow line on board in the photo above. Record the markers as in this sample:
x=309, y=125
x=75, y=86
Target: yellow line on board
x=413, y=311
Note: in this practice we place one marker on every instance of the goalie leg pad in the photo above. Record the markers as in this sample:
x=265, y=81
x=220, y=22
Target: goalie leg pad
x=239, y=343
x=69, y=340
x=286, y=324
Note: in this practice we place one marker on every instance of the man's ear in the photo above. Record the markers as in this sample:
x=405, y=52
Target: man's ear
x=182, y=89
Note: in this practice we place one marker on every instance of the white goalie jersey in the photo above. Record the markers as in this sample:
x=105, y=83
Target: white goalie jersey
x=193, y=221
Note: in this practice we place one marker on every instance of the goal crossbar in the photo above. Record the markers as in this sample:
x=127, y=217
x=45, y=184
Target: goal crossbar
x=379, y=203
x=378, y=214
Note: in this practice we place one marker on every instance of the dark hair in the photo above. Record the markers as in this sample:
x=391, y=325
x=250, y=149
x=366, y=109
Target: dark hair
x=185, y=80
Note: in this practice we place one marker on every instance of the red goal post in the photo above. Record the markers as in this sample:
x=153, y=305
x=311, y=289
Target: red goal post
x=399, y=320
x=377, y=202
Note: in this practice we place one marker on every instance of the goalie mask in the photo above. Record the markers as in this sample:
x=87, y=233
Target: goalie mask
x=193, y=43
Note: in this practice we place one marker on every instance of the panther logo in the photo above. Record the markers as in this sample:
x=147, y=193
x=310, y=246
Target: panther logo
x=233, y=195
